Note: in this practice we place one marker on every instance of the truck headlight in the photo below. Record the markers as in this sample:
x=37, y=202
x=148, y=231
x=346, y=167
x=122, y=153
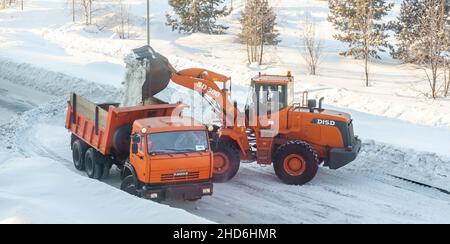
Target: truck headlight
x=153, y=195
x=206, y=190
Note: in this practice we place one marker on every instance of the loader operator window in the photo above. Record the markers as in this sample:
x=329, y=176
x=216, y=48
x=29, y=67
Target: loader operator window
x=268, y=95
x=178, y=142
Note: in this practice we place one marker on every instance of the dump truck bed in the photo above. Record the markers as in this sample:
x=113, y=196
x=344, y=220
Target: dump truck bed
x=96, y=124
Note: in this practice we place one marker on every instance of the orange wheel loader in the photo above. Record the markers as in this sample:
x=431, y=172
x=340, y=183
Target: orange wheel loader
x=295, y=137
x=159, y=152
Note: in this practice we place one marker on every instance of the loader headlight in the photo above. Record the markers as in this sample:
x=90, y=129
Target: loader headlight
x=206, y=190
x=153, y=195
x=210, y=128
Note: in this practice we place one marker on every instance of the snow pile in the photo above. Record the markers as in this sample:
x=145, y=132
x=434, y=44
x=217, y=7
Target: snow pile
x=40, y=190
x=134, y=80
x=55, y=83
x=424, y=167
x=58, y=85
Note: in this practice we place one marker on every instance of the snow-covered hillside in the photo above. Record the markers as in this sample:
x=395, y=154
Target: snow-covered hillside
x=43, y=52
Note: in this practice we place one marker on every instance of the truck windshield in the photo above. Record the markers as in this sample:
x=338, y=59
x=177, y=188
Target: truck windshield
x=177, y=142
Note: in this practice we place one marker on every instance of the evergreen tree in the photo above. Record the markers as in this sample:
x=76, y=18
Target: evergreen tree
x=360, y=25
x=258, y=29
x=407, y=29
x=192, y=16
x=410, y=26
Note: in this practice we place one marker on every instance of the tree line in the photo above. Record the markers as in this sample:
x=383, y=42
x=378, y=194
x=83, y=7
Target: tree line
x=421, y=32
x=11, y=3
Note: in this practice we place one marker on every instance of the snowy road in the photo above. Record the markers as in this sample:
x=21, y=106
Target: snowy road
x=15, y=99
x=350, y=195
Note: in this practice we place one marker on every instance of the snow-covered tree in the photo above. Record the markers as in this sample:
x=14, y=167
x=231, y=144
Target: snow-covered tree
x=258, y=29
x=360, y=25
x=423, y=33
x=191, y=16
x=434, y=41
x=407, y=29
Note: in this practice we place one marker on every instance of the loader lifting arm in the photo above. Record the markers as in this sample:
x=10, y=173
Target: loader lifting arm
x=206, y=83
x=160, y=72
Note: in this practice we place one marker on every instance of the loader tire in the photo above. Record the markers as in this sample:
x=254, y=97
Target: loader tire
x=78, y=153
x=296, y=163
x=94, y=164
x=226, y=161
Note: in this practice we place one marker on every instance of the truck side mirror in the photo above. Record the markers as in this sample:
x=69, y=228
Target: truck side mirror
x=136, y=139
x=134, y=148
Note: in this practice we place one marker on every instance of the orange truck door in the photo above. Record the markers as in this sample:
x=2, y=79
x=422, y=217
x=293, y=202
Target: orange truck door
x=138, y=161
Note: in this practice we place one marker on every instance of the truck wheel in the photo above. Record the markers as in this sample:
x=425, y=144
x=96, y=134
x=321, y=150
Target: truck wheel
x=78, y=153
x=94, y=164
x=128, y=185
x=296, y=163
x=226, y=161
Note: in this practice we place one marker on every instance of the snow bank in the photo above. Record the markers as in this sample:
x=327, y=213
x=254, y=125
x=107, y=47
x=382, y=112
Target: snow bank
x=55, y=83
x=40, y=190
x=425, y=167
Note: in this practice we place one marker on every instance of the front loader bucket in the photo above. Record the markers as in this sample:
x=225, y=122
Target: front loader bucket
x=158, y=72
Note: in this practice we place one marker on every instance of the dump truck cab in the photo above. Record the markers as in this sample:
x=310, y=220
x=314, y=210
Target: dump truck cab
x=170, y=156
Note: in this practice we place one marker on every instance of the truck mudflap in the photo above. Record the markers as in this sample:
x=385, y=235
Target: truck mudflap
x=190, y=192
x=339, y=157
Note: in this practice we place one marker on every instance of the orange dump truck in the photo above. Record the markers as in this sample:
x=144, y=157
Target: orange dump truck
x=159, y=152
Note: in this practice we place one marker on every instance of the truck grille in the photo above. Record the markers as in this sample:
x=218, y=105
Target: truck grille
x=178, y=176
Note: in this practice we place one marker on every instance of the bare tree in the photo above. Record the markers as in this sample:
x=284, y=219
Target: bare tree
x=447, y=78
x=312, y=45
x=73, y=11
x=433, y=42
x=87, y=10
x=9, y=3
x=123, y=28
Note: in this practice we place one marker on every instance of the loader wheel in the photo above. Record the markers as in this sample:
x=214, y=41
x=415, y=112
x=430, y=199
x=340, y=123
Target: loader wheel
x=226, y=162
x=296, y=163
x=78, y=153
x=94, y=164
x=129, y=186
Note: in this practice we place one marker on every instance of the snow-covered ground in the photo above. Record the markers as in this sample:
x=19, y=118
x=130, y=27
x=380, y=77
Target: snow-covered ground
x=404, y=134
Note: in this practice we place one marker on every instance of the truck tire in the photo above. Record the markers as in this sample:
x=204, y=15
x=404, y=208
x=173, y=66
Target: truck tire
x=226, y=161
x=94, y=164
x=129, y=186
x=78, y=153
x=296, y=163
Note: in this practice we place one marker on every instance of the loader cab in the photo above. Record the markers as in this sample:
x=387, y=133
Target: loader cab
x=271, y=93
x=171, y=151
